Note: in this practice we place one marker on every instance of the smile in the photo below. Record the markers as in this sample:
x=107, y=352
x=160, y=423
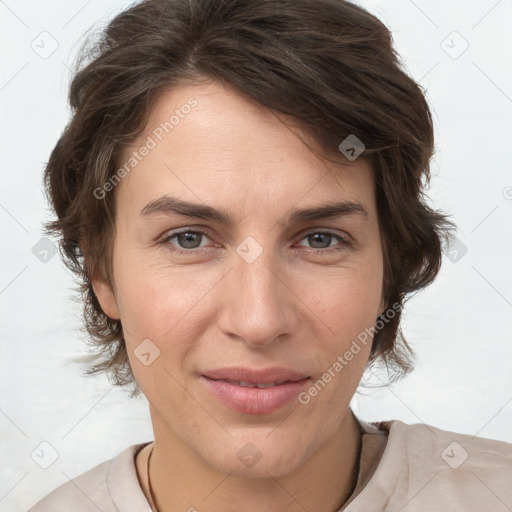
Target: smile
x=254, y=397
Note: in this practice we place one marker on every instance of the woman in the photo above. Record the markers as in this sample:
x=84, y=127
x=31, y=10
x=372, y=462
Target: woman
x=240, y=192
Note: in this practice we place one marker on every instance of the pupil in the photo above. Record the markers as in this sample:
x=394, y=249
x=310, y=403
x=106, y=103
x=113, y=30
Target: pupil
x=189, y=238
x=319, y=235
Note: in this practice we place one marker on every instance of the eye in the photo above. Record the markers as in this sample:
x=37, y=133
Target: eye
x=323, y=237
x=189, y=241
x=188, y=238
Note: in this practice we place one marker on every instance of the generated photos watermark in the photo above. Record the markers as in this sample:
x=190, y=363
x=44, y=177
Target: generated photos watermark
x=151, y=143
x=342, y=360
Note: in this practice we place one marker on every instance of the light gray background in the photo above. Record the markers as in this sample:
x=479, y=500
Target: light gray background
x=460, y=327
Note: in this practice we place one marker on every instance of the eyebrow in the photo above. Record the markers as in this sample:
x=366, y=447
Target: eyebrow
x=171, y=205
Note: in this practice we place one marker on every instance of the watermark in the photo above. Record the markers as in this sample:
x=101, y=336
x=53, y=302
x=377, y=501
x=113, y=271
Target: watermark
x=249, y=455
x=352, y=147
x=454, y=45
x=151, y=143
x=454, y=455
x=44, y=250
x=249, y=250
x=45, y=45
x=146, y=352
x=455, y=250
x=342, y=360
x=44, y=455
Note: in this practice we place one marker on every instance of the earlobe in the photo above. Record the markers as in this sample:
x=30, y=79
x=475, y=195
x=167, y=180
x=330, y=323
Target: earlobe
x=101, y=288
x=106, y=298
x=382, y=307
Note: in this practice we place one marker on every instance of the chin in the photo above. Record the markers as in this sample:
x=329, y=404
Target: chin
x=255, y=456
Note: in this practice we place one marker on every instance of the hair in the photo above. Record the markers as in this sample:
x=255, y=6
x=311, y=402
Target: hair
x=329, y=64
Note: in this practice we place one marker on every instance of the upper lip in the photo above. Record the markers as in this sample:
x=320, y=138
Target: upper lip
x=255, y=376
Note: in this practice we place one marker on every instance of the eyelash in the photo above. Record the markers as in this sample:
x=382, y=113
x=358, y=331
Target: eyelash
x=170, y=236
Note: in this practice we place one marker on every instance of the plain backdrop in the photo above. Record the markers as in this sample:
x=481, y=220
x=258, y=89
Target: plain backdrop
x=460, y=327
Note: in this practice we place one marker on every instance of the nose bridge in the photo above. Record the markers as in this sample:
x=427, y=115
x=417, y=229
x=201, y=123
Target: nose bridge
x=258, y=307
x=256, y=268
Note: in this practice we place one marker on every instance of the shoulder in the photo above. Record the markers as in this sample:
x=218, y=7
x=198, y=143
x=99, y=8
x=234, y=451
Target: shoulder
x=473, y=473
x=84, y=493
x=442, y=448
x=423, y=465
x=103, y=487
x=450, y=451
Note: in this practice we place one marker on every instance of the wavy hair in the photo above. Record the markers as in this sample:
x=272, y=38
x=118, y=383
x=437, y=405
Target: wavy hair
x=328, y=63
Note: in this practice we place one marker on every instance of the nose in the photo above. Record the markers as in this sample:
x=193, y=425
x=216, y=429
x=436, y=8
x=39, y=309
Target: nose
x=258, y=306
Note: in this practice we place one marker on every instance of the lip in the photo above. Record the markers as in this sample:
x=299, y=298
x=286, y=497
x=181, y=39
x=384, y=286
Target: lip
x=255, y=376
x=254, y=400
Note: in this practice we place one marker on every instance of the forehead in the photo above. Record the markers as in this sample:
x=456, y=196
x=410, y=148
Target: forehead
x=209, y=141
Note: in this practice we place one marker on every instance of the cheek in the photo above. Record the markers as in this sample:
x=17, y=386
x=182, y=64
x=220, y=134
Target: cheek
x=349, y=308
x=155, y=299
x=161, y=302
x=349, y=302
x=174, y=304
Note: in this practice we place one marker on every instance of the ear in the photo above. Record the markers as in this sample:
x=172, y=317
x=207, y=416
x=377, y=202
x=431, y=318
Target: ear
x=382, y=307
x=103, y=292
x=106, y=298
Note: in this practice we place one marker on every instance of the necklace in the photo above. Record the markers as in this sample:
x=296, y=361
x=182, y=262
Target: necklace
x=355, y=473
x=151, y=497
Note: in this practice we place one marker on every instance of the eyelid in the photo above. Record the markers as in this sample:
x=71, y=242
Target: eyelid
x=344, y=239
x=169, y=235
x=326, y=231
x=205, y=231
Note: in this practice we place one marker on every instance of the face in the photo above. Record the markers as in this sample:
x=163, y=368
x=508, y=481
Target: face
x=268, y=297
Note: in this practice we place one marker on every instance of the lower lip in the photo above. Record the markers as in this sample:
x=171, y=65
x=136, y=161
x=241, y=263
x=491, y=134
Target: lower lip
x=254, y=400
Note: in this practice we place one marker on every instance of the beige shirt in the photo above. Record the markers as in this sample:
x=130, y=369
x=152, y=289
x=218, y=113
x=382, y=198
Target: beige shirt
x=406, y=468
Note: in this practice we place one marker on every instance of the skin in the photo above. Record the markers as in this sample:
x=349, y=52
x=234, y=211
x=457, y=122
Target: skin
x=211, y=308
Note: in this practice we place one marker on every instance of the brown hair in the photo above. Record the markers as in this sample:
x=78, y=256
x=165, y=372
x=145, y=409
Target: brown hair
x=328, y=63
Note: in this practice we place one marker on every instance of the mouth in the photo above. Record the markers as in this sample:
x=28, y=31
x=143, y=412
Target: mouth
x=246, y=376
x=254, y=391
x=259, y=385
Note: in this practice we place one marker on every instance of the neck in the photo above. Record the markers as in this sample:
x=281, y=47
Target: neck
x=180, y=480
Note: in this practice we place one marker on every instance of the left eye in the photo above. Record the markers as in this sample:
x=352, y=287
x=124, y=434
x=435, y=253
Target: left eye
x=316, y=235
x=186, y=237
x=188, y=240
